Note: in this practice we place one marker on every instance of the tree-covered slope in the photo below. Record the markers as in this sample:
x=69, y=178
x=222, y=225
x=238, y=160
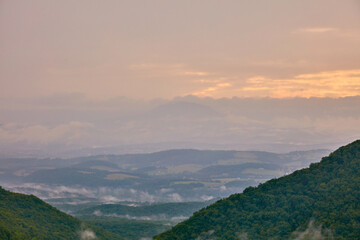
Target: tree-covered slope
x=324, y=197
x=27, y=217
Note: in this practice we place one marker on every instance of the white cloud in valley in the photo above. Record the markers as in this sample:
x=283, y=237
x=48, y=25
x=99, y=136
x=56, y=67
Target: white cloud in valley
x=87, y=234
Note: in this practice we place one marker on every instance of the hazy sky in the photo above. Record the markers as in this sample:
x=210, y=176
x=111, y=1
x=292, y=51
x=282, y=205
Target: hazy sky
x=114, y=73
x=163, y=49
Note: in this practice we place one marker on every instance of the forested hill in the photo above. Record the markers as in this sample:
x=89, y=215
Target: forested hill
x=322, y=200
x=27, y=217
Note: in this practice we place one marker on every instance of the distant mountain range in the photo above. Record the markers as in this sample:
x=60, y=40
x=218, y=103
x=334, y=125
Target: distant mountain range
x=167, y=176
x=319, y=202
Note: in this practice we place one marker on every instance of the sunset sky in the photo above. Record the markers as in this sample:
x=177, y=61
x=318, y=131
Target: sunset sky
x=90, y=54
x=163, y=49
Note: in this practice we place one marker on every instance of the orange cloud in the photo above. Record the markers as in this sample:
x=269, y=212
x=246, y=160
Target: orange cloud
x=167, y=69
x=196, y=73
x=324, y=84
x=315, y=30
x=212, y=91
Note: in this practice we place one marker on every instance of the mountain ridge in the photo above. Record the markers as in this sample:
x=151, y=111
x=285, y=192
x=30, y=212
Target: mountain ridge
x=326, y=195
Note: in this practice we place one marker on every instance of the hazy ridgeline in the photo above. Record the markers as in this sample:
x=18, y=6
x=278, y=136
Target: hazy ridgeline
x=168, y=176
x=71, y=125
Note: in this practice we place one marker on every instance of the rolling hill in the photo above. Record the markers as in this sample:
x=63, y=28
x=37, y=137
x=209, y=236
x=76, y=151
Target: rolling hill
x=158, y=211
x=28, y=217
x=319, y=202
x=191, y=175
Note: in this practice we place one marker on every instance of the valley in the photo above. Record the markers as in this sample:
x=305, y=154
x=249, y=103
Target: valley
x=141, y=195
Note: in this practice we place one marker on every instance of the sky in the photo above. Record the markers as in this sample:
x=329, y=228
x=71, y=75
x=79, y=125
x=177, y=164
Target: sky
x=90, y=72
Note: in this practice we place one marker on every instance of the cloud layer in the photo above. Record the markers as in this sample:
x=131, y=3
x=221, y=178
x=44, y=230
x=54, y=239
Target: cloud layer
x=126, y=126
x=334, y=84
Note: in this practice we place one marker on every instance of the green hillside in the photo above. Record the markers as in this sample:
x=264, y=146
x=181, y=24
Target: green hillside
x=25, y=217
x=322, y=200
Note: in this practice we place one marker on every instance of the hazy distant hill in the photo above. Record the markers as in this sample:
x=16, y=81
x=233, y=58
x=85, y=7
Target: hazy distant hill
x=320, y=202
x=158, y=211
x=27, y=217
x=167, y=176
